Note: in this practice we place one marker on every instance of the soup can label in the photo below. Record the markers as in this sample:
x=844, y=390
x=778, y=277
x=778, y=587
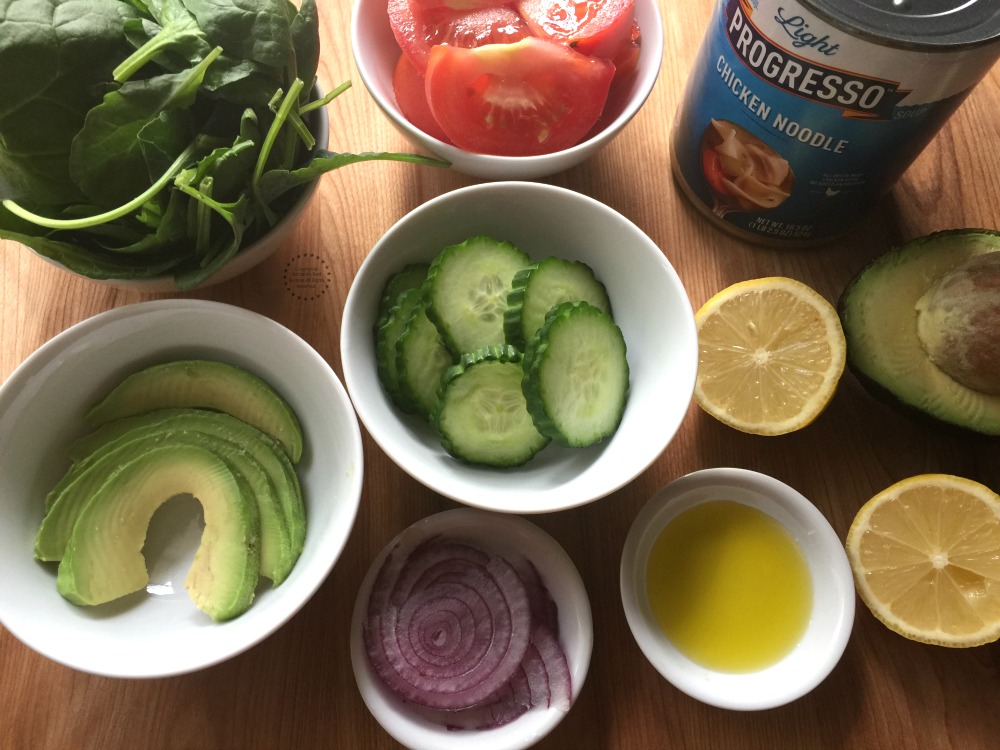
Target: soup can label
x=792, y=126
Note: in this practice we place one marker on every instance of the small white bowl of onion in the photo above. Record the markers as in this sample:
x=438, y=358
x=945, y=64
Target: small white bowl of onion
x=438, y=583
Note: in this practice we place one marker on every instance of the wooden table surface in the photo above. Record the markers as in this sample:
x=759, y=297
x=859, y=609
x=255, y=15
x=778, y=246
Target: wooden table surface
x=297, y=690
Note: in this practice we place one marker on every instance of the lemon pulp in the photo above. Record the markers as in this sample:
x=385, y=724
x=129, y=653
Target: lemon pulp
x=729, y=586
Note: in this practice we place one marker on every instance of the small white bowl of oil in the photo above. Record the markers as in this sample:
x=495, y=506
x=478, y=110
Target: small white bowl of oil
x=737, y=589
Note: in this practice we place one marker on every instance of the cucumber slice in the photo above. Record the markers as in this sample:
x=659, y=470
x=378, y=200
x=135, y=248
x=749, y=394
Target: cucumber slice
x=467, y=287
x=422, y=357
x=409, y=276
x=576, y=375
x=541, y=286
x=386, y=335
x=481, y=416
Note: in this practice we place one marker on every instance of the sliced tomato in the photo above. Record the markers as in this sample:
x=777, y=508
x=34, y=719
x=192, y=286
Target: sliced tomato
x=529, y=97
x=627, y=58
x=455, y=4
x=417, y=30
x=411, y=96
x=594, y=27
x=626, y=64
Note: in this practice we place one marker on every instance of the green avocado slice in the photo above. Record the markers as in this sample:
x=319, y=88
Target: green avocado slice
x=264, y=449
x=879, y=311
x=264, y=466
x=205, y=384
x=104, y=561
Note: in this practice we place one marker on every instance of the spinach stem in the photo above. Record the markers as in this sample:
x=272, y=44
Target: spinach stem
x=280, y=117
x=204, y=220
x=115, y=213
x=326, y=99
x=272, y=134
x=134, y=62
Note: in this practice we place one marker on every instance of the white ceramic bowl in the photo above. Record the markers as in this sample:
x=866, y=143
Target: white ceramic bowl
x=649, y=304
x=376, y=52
x=507, y=536
x=42, y=404
x=248, y=257
x=829, y=628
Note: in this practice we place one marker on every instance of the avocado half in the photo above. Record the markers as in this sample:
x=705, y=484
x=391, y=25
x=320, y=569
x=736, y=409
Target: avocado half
x=922, y=324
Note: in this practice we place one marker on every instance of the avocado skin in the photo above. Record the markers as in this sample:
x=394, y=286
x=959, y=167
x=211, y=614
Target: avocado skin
x=885, y=386
x=885, y=396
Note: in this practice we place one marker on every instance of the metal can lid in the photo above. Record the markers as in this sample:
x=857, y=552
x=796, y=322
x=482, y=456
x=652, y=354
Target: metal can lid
x=917, y=23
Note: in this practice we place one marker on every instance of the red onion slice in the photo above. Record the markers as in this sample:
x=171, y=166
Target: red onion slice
x=509, y=703
x=488, y=618
x=468, y=638
x=543, y=608
x=556, y=667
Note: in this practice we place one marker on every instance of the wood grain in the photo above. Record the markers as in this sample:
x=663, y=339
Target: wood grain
x=296, y=689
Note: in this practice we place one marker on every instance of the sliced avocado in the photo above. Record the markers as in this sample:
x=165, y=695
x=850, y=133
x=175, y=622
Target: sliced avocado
x=893, y=351
x=263, y=448
x=104, y=560
x=204, y=384
x=240, y=446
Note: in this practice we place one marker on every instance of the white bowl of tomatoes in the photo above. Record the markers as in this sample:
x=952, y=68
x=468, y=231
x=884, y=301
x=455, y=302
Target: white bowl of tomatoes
x=508, y=90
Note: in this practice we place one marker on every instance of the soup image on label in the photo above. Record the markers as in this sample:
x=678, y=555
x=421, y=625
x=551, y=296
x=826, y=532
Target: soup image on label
x=744, y=173
x=729, y=587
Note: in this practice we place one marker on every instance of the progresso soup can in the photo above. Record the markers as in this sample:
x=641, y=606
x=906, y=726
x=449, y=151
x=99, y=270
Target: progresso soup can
x=800, y=114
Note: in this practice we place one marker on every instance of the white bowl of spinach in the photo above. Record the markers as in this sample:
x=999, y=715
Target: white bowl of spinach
x=153, y=143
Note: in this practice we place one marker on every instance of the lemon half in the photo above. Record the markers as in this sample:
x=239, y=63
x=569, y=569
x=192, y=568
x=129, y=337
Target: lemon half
x=926, y=559
x=771, y=352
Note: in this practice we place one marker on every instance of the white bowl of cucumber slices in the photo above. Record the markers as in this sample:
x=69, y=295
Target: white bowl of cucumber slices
x=519, y=347
x=131, y=431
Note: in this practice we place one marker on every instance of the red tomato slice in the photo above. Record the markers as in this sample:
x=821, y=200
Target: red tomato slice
x=417, y=30
x=408, y=85
x=626, y=64
x=529, y=97
x=594, y=27
x=627, y=58
x=454, y=4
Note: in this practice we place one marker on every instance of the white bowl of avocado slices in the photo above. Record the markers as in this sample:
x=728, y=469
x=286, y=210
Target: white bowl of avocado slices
x=179, y=477
x=519, y=347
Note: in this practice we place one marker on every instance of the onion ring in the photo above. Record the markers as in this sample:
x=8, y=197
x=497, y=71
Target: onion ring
x=466, y=637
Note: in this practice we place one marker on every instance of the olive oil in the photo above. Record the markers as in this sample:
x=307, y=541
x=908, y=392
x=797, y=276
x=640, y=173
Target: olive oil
x=729, y=586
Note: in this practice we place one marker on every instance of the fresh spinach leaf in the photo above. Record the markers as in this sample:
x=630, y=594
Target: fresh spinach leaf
x=176, y=31
x=258, y=30
x=175, y=42
x=106, y=158
x=198, y=148
x=276, y=182
x=242, y=82
x=90, y=261
x=305, y=40
x=51, y=74
x=165, y=136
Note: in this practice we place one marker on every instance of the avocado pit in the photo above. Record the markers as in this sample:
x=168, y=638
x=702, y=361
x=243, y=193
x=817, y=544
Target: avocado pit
x=958, y=323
